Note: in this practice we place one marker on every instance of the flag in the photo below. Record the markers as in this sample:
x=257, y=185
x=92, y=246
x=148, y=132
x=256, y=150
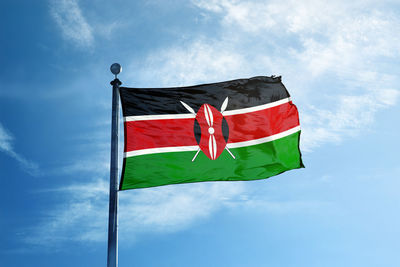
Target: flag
x=244, y=129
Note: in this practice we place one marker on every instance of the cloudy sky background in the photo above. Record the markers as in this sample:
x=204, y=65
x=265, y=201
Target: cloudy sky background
x=338, y=59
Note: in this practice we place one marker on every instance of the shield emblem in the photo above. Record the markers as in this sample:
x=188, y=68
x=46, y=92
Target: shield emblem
x=212, y=141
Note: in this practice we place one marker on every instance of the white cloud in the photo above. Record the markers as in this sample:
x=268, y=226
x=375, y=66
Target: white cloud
x=276, y=16
x=166, y=209
x=68, y=16
x=95, y=165
x=107, y=30
x=81, y=218
x=338, y=58
x=84, y=215
x=6, y=140
x=172, y=208
x=351, y=114
x=198, y=62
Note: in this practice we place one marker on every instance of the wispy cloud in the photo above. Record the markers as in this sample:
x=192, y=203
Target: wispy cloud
x=82, y=217
x=337, y=58
x=6, y=146
x=351, y=114
x=74, y=26
x=174, y=208
x=202, y=60
x=331, y=55
x=164, y=209
x=5, y=139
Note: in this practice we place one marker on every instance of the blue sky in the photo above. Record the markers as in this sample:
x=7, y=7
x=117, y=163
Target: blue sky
x=338, y=59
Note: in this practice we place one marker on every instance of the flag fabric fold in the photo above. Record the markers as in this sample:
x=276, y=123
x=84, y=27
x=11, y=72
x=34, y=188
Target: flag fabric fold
x=244, y=129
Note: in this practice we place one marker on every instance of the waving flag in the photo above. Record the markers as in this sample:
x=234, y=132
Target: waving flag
x=245, y=129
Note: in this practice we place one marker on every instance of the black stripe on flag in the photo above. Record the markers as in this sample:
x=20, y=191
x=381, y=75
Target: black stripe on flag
x=242, y=93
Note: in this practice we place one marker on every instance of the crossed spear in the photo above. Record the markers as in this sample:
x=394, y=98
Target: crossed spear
x=210, y=123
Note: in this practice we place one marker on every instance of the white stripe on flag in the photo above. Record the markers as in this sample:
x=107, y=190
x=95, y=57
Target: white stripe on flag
x=256, y=108
x=159, y=150
x=160, y=117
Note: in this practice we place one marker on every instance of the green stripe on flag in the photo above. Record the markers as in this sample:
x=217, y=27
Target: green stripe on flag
x=251, y=163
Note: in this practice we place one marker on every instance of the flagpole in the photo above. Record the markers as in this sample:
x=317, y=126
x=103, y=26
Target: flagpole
x=112, y=256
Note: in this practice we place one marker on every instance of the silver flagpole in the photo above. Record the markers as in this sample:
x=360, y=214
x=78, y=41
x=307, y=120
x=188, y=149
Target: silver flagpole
x=112, y=256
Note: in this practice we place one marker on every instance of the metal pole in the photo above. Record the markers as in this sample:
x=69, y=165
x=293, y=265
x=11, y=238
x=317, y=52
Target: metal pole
x=112, y=256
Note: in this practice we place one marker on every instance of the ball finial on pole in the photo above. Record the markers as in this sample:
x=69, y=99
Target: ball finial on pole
x=116, y=69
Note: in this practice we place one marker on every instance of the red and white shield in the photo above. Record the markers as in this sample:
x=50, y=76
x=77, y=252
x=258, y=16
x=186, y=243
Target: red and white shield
x=212, y=141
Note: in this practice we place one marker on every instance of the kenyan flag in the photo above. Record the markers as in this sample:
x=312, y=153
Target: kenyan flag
x=243, y=129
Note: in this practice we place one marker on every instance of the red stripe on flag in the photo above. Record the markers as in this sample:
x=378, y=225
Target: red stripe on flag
x=262, y=123
x=179, y=132
x=159, y=133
